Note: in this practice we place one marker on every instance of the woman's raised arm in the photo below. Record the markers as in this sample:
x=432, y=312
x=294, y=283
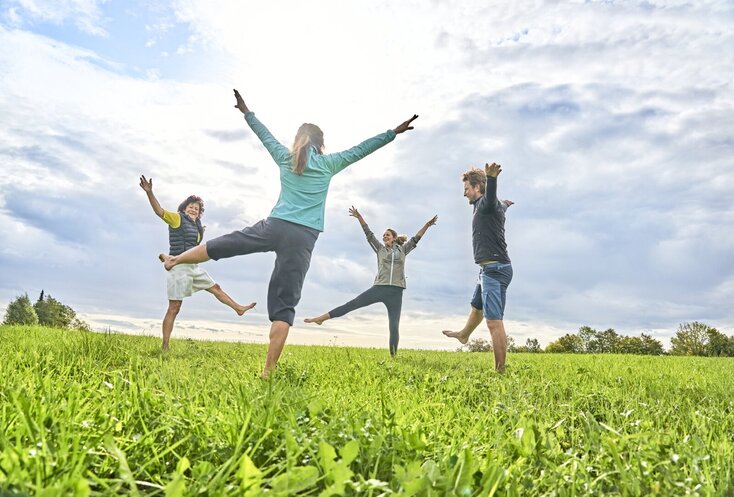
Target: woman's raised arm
x=278, y=152
x=147, y=186
x=410, y=244
x=371, y=238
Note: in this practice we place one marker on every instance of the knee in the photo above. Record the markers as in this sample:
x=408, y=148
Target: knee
x=173, y=307
x=494, y=324
x=215, y=288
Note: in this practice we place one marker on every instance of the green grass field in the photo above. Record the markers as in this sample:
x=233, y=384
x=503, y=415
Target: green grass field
x=94, y=414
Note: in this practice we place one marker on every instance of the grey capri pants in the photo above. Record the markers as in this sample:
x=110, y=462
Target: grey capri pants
x=391, y=296
x=292, y=244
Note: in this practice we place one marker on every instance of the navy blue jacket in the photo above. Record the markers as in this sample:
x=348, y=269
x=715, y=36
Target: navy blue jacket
x=488, y=226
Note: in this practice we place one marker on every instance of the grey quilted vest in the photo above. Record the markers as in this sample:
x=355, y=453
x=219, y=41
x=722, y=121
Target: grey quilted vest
x=186, y=236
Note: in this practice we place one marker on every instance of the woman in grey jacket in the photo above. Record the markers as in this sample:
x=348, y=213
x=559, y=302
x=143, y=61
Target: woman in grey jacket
x=390, y=280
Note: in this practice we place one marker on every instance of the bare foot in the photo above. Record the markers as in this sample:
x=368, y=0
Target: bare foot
x=317, y=320
x=167, y=261
x=457, y=335
x=244, y=308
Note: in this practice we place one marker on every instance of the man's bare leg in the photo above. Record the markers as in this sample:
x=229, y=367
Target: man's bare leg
x=225, y=299
x=319, y=319
x=173, y=307
x=278, y=334
x=499, y=343
x=192, y=256
x=475, y=317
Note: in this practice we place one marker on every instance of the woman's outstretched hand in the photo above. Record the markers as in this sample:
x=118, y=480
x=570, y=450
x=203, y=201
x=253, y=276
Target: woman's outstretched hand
x=425, y=227
x=146, y=185
x=406, y=125
x=240, y=102
x=355, y=213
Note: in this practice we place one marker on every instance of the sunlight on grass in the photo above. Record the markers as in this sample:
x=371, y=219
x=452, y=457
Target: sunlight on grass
x=93, y=414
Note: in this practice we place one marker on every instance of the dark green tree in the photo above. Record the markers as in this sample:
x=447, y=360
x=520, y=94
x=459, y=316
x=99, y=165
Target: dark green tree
x=629, y=345
x=20, y=311
x=718, y=344
x=53, y=313
x=608, y=341
x=651, y=346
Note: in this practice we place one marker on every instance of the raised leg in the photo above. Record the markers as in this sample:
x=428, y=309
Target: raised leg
x=475, y=317
x=192, y=256
x=225, y=299
x=318, y=319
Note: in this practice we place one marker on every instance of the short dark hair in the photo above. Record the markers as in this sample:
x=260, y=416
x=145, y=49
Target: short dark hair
x=192, y=199
x=476, y=177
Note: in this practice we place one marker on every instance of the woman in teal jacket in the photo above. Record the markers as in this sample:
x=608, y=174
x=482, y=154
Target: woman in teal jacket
x=390, y=280
x=294, y=223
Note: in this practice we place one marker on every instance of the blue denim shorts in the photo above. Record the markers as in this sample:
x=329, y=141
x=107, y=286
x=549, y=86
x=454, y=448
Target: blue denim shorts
x=491, y=291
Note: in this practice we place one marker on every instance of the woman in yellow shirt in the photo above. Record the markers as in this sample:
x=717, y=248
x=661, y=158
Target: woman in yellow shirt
x=184, y=232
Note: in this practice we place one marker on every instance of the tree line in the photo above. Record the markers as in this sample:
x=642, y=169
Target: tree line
x=46, y=311
x=696, y=338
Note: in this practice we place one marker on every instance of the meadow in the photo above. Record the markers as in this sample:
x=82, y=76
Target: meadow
x=107, y=414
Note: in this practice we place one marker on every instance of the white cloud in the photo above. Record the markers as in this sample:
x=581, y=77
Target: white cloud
x=86, y=15
x=612, y=122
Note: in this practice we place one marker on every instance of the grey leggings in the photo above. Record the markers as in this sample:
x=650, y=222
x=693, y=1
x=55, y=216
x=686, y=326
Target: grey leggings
x=391, y=296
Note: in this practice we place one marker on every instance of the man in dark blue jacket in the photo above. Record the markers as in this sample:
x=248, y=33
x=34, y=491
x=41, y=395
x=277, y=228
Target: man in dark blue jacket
x=490, y=253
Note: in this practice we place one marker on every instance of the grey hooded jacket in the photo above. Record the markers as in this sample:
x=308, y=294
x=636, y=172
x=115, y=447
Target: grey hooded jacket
x=390, y=260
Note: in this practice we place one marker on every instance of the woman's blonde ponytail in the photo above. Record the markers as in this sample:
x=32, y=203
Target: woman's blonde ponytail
x=308, y=135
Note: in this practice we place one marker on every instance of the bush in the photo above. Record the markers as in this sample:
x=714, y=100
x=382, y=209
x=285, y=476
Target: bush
x=478, y=345
x=20, y=311
x=691, y=339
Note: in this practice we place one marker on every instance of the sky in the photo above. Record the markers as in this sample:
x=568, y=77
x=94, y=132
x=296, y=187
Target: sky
x=613, y=122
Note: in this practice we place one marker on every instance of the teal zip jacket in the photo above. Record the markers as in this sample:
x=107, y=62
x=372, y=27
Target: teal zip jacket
x=302, y=198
